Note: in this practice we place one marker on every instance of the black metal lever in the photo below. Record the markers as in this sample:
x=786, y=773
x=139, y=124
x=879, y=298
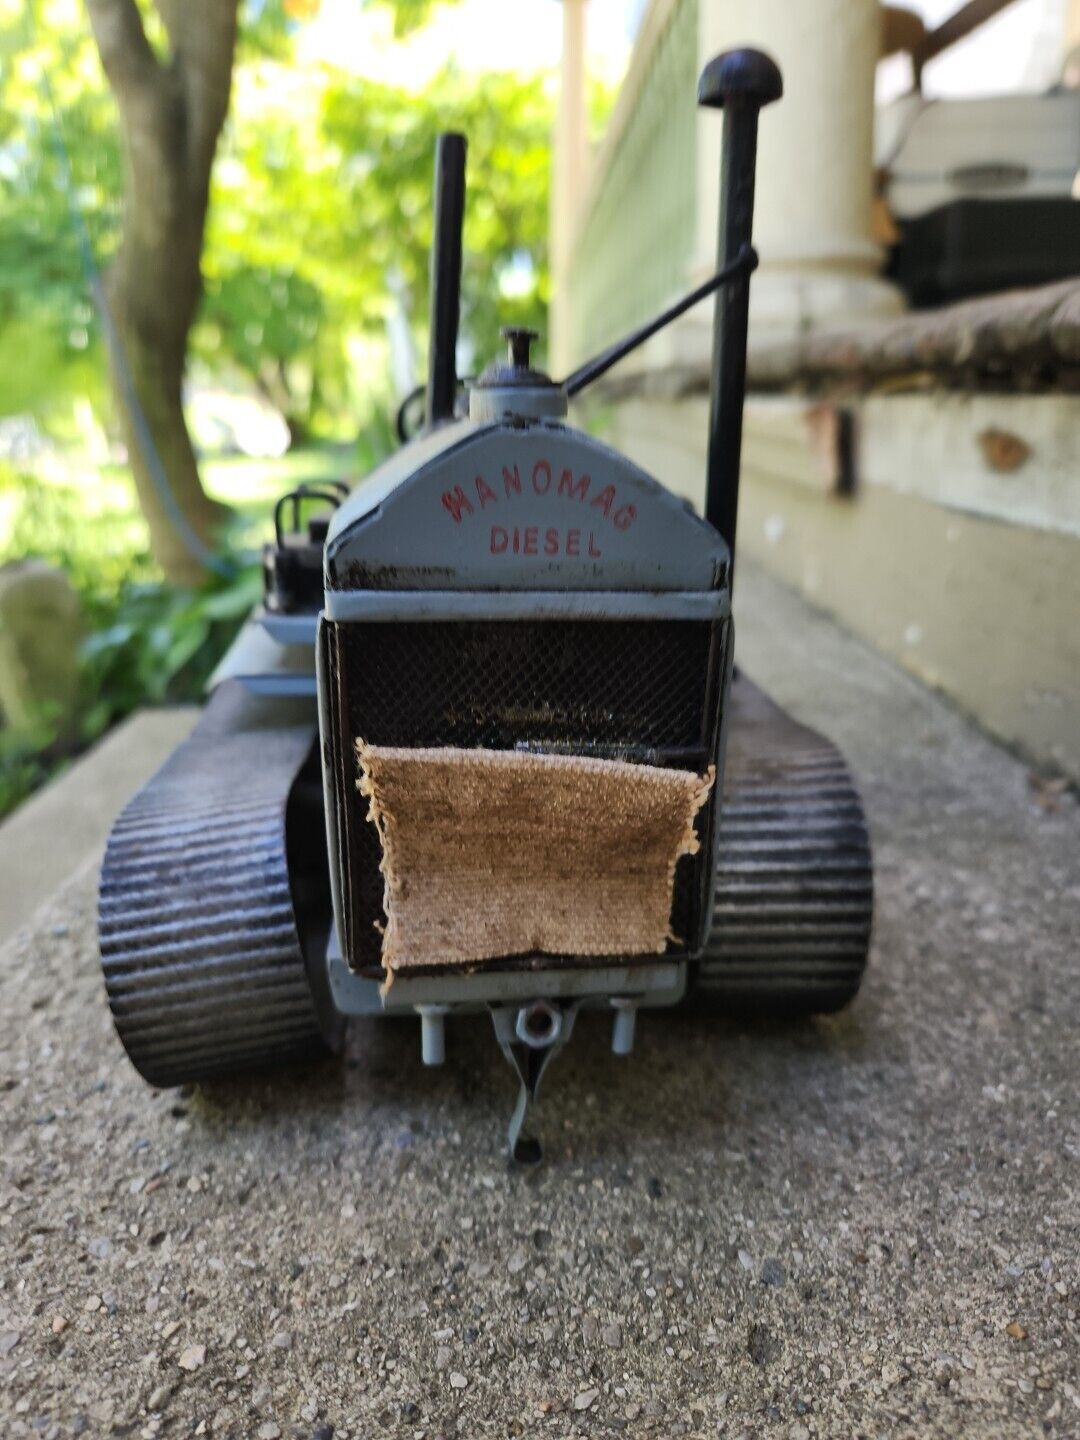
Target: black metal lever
x=743, y=264
x=445, y=277
x=739, y=82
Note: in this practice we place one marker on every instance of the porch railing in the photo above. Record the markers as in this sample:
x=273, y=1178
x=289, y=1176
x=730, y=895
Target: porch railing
x=635, y=237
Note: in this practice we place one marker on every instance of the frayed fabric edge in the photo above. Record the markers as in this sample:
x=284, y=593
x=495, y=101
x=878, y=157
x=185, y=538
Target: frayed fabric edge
x=381, y=818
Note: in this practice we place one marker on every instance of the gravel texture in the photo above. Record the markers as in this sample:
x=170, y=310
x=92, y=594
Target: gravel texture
x=864, y=1225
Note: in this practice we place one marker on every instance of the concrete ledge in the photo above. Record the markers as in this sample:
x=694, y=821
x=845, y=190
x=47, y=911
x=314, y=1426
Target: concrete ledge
x=64, y=826
x=1027, y=337
x=914, y=557
x=1033, y=334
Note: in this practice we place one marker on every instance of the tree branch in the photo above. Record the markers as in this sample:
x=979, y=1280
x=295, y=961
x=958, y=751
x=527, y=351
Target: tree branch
x=126, y=55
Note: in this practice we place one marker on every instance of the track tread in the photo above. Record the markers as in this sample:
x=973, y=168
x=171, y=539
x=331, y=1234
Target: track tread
x=794, y=886
x=202, y=961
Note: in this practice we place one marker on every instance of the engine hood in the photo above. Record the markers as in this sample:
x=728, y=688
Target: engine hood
x=537, y=506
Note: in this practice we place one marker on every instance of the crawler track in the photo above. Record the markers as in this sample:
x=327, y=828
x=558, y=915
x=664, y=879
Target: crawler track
x=197, y=912
x=794, y=890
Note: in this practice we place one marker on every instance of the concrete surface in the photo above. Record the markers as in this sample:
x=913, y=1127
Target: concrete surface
x=63, y=827
x=864, y=1226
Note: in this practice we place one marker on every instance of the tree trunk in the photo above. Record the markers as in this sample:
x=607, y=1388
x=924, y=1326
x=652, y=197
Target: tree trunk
x=182, y=519
x=272, y=383
x=171, y=113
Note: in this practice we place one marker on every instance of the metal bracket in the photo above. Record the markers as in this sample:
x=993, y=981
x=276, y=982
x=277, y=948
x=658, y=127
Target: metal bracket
x=530, y=1048
x=659, y=982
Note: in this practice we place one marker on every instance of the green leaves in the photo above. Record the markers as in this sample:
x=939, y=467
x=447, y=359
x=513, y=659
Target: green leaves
x=57, y=146
x=320, y=222
x=151, y=644
x=147, y=642
x=320, y=228
x=385, y=143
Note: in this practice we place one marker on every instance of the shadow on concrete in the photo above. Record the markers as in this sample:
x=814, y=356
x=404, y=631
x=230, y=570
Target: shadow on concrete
x=689, y=1074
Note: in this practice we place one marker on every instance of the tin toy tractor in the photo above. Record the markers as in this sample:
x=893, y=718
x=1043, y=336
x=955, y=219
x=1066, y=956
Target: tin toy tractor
x=481, y=748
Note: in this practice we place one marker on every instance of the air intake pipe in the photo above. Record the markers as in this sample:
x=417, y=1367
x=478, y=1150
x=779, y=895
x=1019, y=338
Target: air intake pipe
x=738, y=82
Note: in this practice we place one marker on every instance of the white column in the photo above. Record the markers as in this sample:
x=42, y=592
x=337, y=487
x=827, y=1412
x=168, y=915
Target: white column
x=819, y=266
x=570, y=173
x=1071, y=45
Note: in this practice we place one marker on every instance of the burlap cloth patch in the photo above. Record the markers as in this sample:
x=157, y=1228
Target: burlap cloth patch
x=498, y=852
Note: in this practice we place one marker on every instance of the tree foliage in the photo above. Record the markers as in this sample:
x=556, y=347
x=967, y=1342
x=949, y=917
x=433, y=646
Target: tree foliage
x=321, y=225
x=58, y=146
x=320, y=218
x=381, y=150
x=318, y=237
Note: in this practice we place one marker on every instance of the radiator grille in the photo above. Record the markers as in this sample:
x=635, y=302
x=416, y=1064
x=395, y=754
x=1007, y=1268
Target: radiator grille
x=499, y=684
x=639, y=690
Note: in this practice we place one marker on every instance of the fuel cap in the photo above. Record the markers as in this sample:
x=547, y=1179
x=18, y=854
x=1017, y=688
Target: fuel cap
x=511, y=387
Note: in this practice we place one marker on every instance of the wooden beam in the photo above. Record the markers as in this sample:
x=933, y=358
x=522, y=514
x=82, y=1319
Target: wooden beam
x=957, y=27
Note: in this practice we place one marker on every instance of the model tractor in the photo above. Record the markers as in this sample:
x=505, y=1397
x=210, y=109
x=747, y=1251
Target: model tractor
x=483, y=747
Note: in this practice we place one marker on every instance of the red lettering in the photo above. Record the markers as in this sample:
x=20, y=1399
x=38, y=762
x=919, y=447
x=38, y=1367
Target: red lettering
x=569, y=489
x=624, y=517
x=457, y=502
x=541, y=468
x=484, y=492
x=528, y=540
x=606, y=499
x=511, y=481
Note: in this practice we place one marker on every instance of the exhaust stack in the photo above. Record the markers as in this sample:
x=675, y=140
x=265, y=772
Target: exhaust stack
x=739, y=82
x=445, y=278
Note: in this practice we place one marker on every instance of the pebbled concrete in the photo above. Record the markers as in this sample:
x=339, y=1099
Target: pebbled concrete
x=865, y=1225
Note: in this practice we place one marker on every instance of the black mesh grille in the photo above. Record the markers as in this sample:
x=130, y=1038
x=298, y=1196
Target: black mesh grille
x=639, y=690
x=499, y=684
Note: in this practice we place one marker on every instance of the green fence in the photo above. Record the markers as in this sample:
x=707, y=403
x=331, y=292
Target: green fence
x=633, y=249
